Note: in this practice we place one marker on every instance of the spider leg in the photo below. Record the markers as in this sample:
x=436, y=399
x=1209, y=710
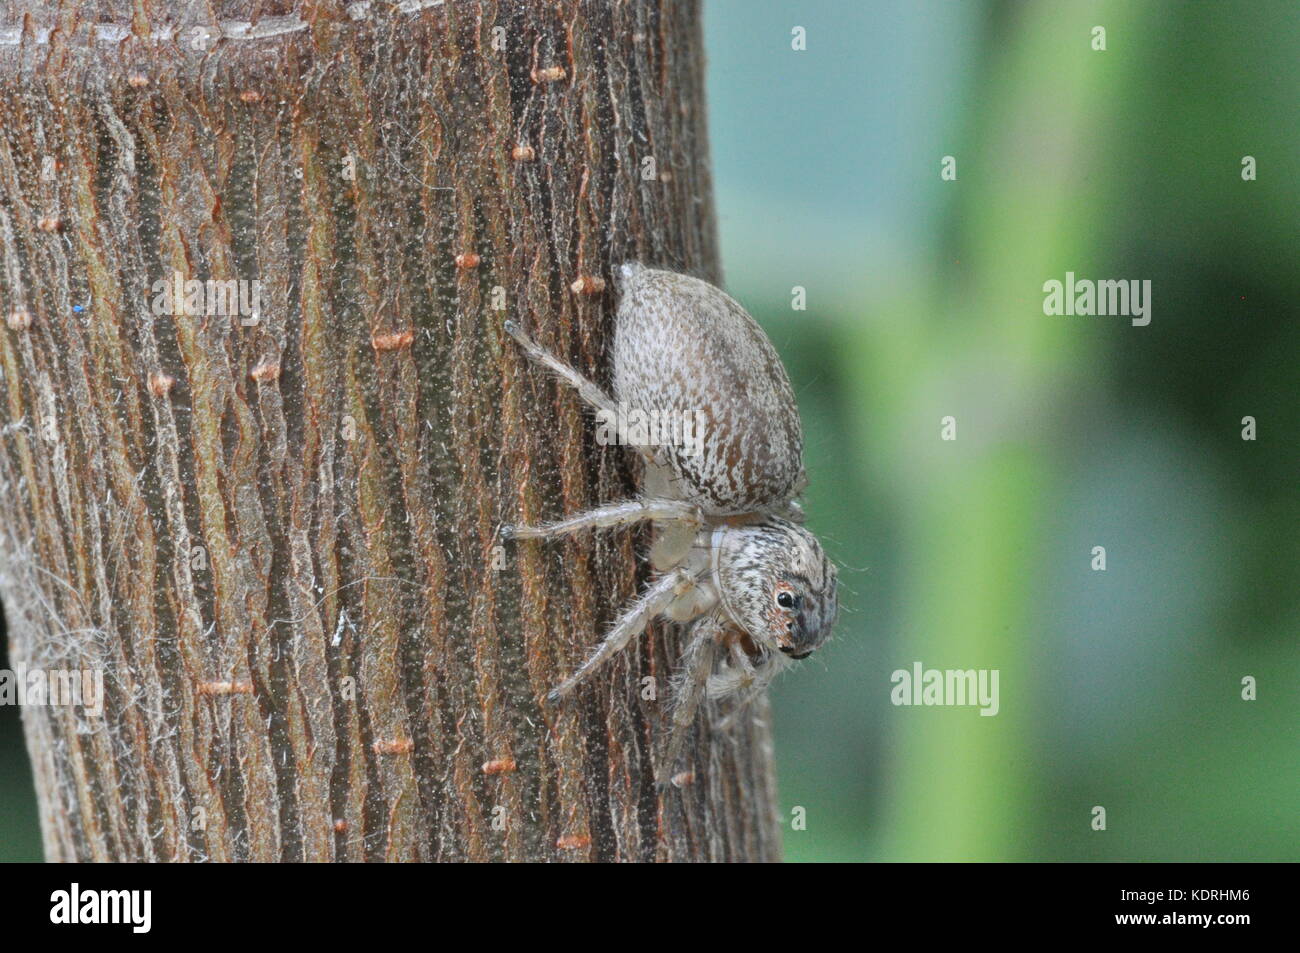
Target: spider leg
x=689, y=691
x=761, y=678
x=743, y=701
x=586, y=388
x=736, y=675
x=632, y=623
x=608, y=516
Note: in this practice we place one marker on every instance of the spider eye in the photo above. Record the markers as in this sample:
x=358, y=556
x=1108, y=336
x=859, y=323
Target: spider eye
x=785, y=600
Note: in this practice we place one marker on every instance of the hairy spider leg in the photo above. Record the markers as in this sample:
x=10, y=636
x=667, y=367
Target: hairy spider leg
x=609, y=516
x=651, y=603
x=689, y=689
x=585, y=387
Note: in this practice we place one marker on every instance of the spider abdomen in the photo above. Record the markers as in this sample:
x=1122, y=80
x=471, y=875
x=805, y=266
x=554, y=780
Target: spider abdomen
x=685, y=351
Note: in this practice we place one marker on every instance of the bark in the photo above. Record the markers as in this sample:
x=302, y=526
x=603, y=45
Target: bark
x=275, y=535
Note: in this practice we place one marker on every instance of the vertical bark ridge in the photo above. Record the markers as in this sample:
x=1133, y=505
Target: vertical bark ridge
x=278, y=538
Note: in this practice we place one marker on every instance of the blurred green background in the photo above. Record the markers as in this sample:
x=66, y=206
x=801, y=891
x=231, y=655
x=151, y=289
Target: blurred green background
x=924, y=299
x=1119, y=688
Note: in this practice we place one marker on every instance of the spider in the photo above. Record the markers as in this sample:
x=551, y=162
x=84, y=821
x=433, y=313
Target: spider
x=730, y=559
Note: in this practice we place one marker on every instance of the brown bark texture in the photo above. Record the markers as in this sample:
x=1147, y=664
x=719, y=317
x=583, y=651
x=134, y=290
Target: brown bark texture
x=275, y=531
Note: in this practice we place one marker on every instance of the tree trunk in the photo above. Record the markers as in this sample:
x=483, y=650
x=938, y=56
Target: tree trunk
x=272, y=524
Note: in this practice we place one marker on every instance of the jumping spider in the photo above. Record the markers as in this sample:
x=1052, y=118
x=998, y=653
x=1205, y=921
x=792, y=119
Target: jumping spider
x=729, y=558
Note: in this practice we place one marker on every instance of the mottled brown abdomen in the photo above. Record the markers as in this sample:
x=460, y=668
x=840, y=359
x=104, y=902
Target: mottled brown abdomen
x=682, y=348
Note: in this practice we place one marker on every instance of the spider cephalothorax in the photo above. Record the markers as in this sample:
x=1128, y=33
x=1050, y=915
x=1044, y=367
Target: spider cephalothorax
x=776, y=583
x=755, y=588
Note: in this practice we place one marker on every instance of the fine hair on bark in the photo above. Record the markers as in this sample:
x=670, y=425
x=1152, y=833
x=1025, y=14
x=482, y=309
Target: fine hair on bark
x=260, y=425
